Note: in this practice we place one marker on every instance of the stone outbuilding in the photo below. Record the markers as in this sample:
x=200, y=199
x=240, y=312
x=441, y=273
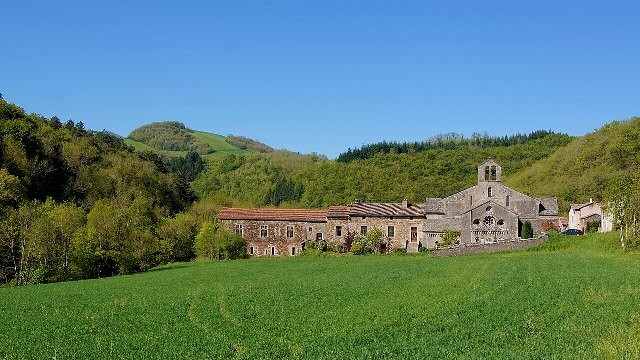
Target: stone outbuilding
x=580, y=215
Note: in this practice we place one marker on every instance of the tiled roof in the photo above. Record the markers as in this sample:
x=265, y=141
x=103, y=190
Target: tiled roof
x=440, y=225
x=341, y=212
x=434, y=206
x=550, y=206
x=385, y=209
x=273, y=214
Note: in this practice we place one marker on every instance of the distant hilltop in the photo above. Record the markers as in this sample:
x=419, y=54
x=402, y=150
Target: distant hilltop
x=175, y=139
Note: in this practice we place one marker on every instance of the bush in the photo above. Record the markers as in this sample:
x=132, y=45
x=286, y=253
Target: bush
x=358, y=249
x=335, y=247
x=593, y=226
x=527, y=230
x=399, y=251
x=215, y=242
x=449, y=237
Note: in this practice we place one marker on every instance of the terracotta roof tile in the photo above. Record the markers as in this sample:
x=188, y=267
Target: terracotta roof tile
x=273, y=214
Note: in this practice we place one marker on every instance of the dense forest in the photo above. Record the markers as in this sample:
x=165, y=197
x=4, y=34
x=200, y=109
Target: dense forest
x=285, y=179
x=76, y=203
x=449, y=141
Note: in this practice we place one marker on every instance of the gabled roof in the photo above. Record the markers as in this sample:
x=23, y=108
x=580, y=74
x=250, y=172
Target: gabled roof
x=492, y=203
x=385, y=209
x=433, y=206
x=581, y=206
x=273, y=214
x=440, y=225
x=550, y=206
x=338, y=212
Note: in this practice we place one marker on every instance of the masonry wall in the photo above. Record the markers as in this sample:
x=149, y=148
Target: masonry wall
x=401, y=226
x=276, y=242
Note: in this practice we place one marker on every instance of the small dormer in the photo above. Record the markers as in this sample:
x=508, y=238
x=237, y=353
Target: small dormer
x=489, y=171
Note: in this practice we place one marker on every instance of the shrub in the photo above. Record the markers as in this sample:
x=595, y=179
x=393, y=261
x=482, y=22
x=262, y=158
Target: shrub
x=593, y=226
x=335, y=247
x=527, y=230
x=215, y=242
x=358, y=249
x=399, y=251
x=449, y=237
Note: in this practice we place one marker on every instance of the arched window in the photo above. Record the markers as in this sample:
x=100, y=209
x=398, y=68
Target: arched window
x=489, y=192
x=489, y=221
x=508, y=200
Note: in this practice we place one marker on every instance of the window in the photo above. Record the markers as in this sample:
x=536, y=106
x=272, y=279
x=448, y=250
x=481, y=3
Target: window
x=289, y=231
x=293, y=251
x=489, y=221
x=310, y=229
x=391, y=231
x=338, y=230
x=363, y=230
x=273, y=250
x=319, y=237
x=501, y=222
x=251, y=250
x=263, y=230
x=489, y=192
x=508, y=200
x=239, y=229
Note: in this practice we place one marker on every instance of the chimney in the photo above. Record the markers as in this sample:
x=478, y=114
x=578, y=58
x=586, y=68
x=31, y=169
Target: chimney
x=405, y=203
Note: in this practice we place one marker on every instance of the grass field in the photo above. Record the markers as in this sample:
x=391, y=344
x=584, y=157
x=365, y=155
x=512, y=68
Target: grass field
x=217, y=142
x=575, y=297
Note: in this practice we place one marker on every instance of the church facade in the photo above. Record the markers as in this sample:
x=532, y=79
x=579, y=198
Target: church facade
x=485, y=213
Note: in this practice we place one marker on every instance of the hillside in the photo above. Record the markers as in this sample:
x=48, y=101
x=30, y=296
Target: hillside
x=315, y=182
x=543, y=306
x=585, y=167
x=172, y=138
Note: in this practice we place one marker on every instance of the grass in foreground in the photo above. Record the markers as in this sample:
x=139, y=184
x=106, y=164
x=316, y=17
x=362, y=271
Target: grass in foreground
x=575, y=297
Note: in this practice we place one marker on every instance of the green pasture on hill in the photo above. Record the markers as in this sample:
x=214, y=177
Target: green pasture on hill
x=574, y=297
x=217, y=142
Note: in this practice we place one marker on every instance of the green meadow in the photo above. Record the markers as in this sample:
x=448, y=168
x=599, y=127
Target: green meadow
x=573, y=297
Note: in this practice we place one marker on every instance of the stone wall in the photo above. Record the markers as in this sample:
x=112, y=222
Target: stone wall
x=510, y=245
x=276, y=242
x=401, y=228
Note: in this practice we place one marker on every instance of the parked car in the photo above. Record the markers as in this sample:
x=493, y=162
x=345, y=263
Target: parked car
x=572, y=232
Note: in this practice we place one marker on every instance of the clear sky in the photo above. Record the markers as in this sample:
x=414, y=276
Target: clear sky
x=323, y=76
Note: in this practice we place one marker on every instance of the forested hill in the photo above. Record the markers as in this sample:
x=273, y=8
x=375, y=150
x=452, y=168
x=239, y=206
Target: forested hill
x=588, y=167
x=173, y=138
x=78, y=204
x=283, y=179
x=449, y=141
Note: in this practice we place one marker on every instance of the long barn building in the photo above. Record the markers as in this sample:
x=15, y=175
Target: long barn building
x=484, y=213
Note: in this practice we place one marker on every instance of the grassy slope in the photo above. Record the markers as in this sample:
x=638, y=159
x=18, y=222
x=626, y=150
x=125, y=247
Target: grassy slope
x=582, y=169
x=217, y=142
x=579, y=300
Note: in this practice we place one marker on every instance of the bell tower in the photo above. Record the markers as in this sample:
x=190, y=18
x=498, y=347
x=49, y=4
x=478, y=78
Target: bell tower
x=489, y=171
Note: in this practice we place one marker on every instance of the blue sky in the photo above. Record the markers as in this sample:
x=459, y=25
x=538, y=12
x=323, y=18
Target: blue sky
x=323, y=76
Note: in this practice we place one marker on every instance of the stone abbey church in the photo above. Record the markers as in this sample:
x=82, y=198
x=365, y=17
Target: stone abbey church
x=485, y=213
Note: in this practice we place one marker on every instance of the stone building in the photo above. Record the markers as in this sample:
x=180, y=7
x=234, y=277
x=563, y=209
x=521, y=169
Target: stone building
x=275, y=232
x=485, y=213
x=580, y=215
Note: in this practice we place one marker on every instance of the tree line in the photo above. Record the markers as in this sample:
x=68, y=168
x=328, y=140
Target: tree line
x=448, y=141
